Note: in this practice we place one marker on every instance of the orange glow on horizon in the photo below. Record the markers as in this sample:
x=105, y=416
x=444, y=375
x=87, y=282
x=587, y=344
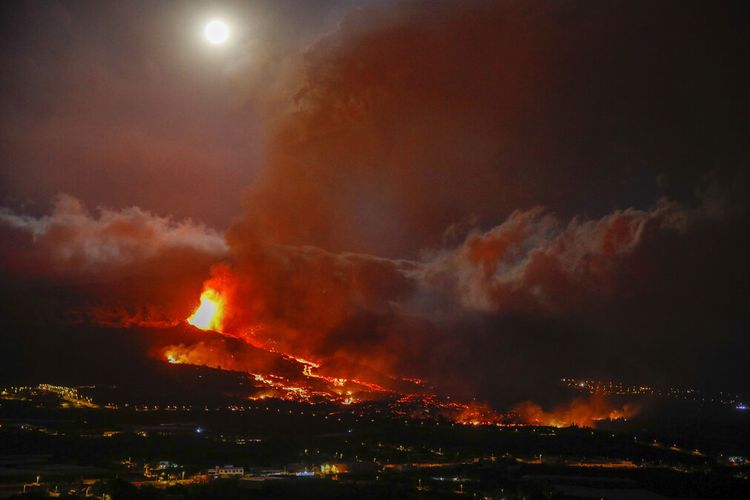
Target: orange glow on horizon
x=581, y=412
x=210, y=313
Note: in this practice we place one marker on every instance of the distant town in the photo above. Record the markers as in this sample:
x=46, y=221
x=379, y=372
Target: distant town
x=58, y=441
x=610, y=387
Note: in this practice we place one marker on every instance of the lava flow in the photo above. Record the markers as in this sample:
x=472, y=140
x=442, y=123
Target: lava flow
x=287, y=376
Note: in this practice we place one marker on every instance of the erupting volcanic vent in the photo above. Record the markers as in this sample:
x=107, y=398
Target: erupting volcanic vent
x=210, y=313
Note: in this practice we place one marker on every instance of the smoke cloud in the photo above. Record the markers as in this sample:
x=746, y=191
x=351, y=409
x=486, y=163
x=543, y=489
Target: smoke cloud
x=119, y=267
x=72, y=238
x=482, y=194
x=469, y=148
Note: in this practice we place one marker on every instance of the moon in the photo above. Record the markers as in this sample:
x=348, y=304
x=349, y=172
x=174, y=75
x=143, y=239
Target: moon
x=216, y=32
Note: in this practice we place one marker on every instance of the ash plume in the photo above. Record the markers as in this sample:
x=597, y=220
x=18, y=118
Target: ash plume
x=422, y=213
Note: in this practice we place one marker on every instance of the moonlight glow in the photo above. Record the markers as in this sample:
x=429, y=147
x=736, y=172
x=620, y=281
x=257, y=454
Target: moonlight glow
x=216, y=32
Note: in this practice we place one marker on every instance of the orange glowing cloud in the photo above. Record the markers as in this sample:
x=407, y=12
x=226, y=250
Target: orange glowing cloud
x=582, y=412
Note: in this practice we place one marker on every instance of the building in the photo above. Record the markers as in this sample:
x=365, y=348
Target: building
x=227, y=471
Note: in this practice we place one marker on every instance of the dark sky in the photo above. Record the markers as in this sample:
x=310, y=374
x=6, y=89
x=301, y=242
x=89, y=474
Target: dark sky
x=520, y=189
x=122, y=103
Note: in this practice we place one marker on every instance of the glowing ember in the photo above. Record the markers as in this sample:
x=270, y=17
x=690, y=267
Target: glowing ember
x=210, y=312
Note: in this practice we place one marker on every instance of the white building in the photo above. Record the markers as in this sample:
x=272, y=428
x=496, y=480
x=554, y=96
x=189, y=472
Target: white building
x=226, y=471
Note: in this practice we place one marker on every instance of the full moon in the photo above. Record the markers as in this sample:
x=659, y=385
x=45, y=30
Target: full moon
x=216, y=32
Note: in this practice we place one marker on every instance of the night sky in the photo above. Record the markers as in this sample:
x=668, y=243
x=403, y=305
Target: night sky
x=489, y=195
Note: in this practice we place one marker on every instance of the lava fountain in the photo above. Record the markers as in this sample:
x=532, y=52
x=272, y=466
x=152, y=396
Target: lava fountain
x=209, y=315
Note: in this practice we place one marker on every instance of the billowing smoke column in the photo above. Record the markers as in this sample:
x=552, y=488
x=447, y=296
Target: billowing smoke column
x=400, y=145
x=399, y=228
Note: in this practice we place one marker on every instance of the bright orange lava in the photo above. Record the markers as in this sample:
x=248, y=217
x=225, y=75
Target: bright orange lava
x=210, y=313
